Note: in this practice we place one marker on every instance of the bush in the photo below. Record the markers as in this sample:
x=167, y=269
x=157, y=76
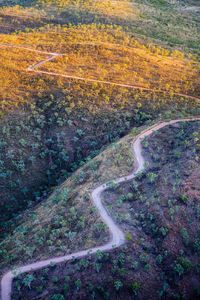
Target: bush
x=183, y=198
x=197, y=245
x=135, y=287
x=118, y=285
x=185, y=236
x=58, y=297
x=185, y=263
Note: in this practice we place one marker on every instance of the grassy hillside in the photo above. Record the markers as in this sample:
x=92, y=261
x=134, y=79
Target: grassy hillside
x=92, y=52
x=162, y=21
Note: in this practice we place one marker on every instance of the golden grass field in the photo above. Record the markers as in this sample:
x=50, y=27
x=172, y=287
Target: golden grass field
x=93, y=52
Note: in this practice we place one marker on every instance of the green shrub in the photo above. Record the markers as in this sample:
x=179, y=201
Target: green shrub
x=163, y=230
x=118, y=285
x=183, y=198
x=185, y=263
x=152, y=177
x=28, y=280
x=178, y=269
x=135, y=287
x=182, y=265
x=185, y=236
x=196, y=245
x=58, y=297
x=128, y=236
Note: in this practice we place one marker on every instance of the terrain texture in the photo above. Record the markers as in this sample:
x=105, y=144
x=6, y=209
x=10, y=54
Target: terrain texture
x=79, y=80
x=158, y=212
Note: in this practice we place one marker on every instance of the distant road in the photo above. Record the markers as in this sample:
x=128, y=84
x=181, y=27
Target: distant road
x=53, y=55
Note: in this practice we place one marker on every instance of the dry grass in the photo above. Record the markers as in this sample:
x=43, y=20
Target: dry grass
x=13, y=79
x=128, y=62
x=22, y=12
x=136, y=66
x=122, y=9
x=112, y=8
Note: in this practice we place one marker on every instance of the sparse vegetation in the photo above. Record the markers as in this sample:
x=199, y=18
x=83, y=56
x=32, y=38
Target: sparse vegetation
x=162, y=253
x=119, y=67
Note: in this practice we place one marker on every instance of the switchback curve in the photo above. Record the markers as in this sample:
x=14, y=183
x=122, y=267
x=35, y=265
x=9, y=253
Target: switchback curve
x=117, y=236
x=53, y=55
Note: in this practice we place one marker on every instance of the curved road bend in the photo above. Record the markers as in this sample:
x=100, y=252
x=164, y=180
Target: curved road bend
x=52, y=56
x=117, y=237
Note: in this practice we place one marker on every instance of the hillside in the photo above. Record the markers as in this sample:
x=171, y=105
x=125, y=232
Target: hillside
x=69, y=218
x=42, y=139
x=159, y=212
x=78, y=81
x=174, y=23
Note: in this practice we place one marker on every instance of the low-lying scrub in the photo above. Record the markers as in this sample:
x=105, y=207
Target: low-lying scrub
x=159, y=212
x=67, y=220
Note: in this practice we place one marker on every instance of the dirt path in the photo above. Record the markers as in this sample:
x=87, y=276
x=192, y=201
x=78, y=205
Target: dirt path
x=117, y=237
x=52, y=56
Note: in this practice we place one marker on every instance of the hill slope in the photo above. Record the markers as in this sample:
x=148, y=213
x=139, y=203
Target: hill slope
x=76, y=76
x=159, y=212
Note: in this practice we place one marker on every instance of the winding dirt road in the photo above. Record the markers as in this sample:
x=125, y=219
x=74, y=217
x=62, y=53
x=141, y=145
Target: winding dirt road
x=117, y=237
x=52, y=56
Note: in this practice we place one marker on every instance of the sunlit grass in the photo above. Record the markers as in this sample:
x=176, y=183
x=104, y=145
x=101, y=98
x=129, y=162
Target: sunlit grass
x=14, y=86
x=98, y=53
x=122, y=9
